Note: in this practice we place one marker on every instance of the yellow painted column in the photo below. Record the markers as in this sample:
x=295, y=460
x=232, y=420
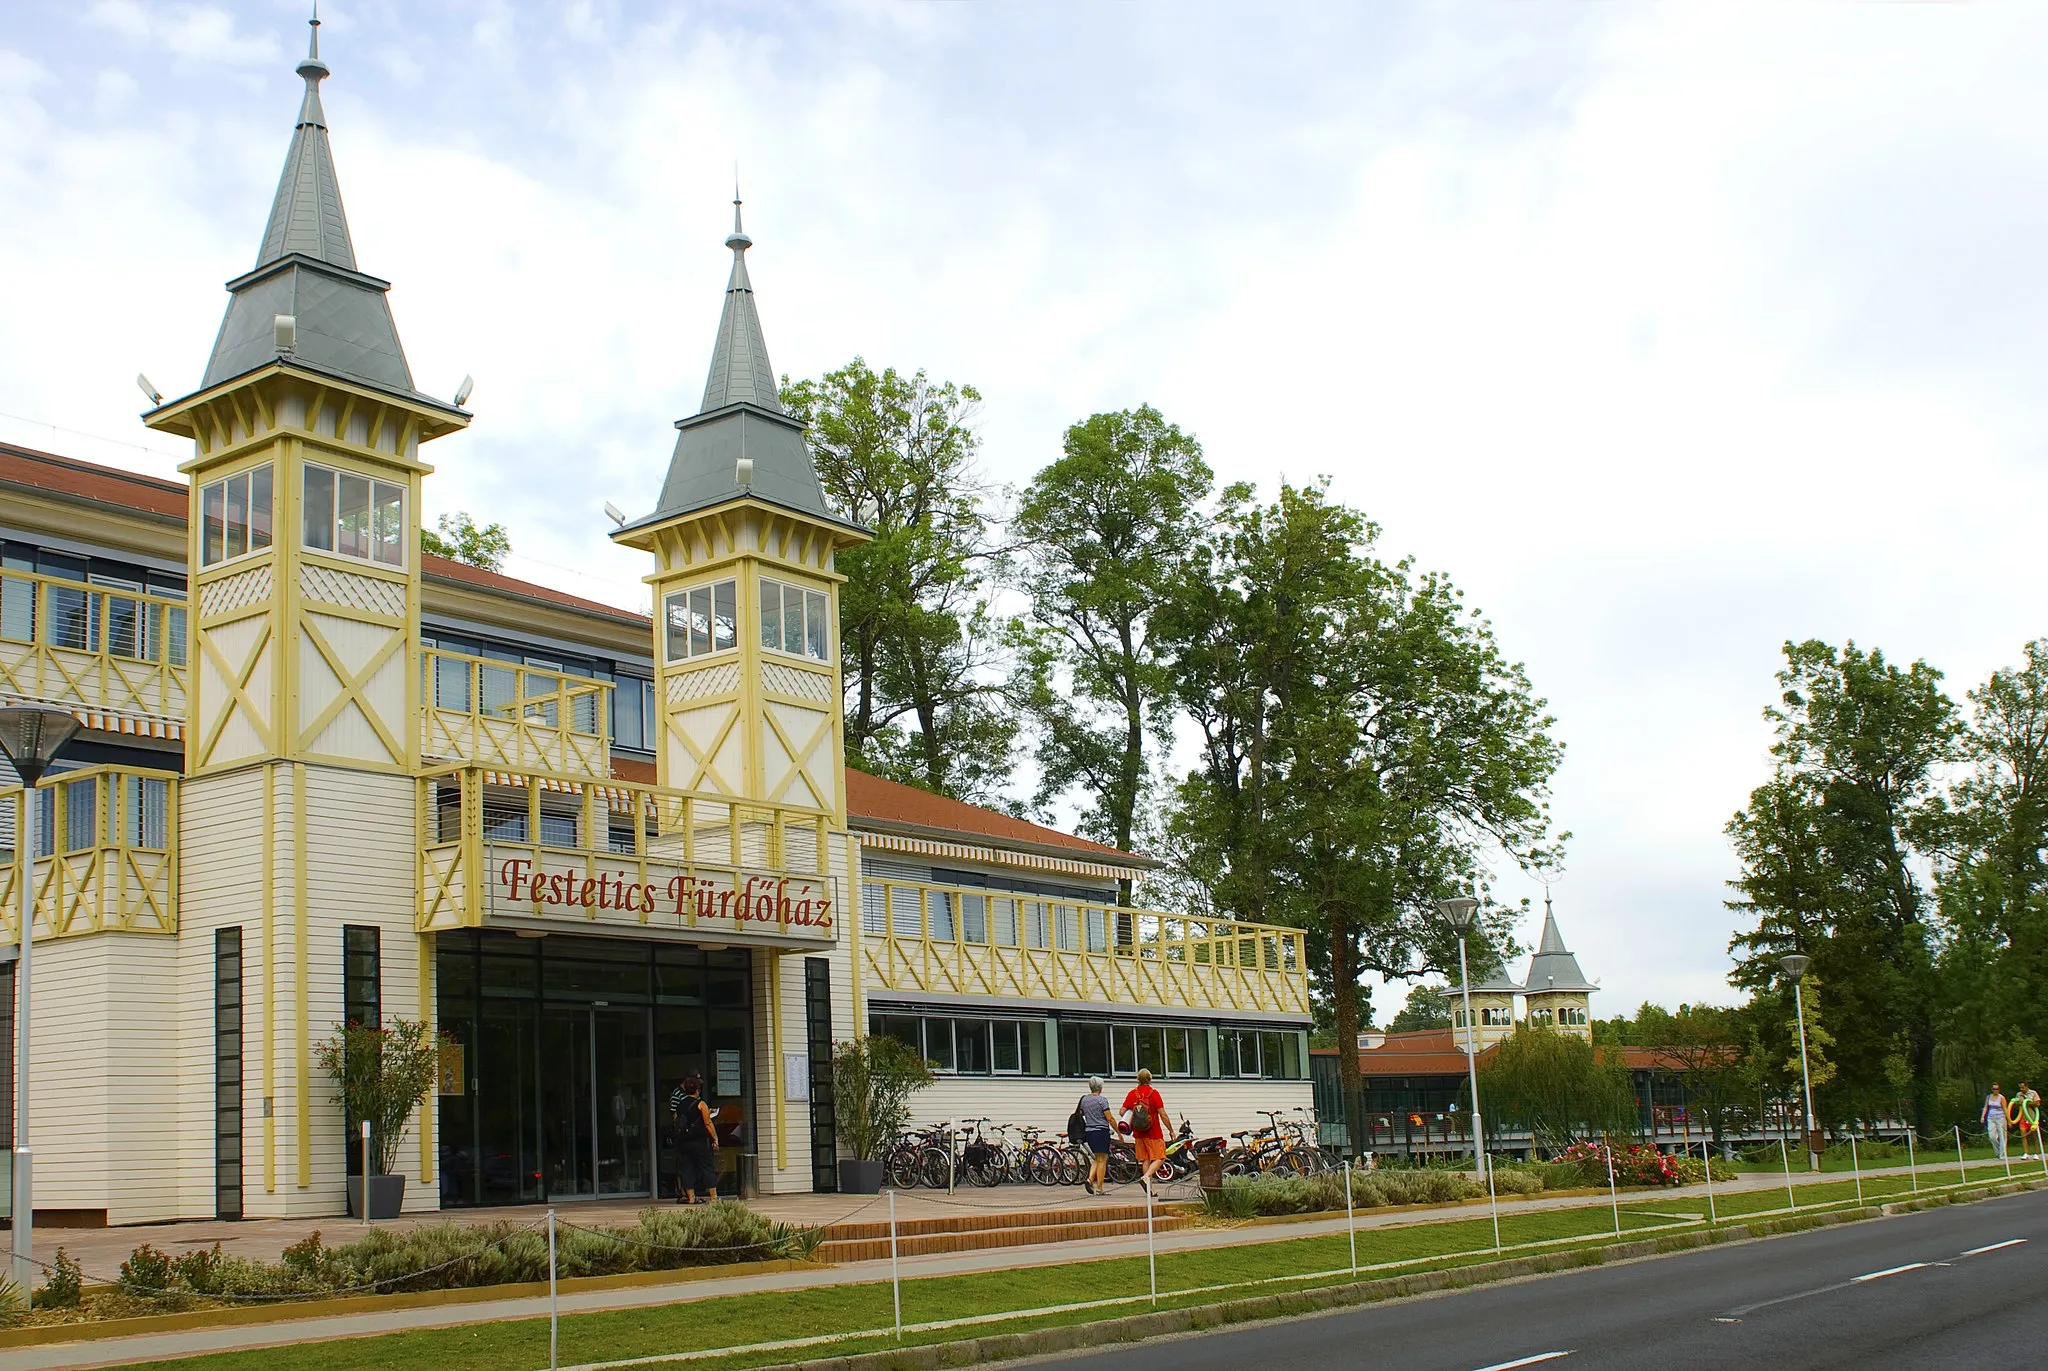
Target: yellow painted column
x=301, y=976
x=269, y=907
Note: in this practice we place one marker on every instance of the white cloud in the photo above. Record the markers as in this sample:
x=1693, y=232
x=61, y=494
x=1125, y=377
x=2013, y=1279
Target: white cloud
x=1671, y=334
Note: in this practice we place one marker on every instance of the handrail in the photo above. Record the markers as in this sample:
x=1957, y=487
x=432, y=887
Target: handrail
x=101, y=647
x=118, y=871
x=478, y=709
x=924, y=936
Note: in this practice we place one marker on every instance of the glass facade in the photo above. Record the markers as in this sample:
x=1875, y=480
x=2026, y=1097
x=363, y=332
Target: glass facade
x=569, y=1049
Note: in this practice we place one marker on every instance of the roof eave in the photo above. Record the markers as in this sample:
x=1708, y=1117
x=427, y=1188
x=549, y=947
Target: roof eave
x=637, y=533
x=438, y=416
x=1101, y=856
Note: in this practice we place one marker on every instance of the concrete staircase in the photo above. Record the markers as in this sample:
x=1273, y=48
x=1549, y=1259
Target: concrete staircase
x=855, y=1242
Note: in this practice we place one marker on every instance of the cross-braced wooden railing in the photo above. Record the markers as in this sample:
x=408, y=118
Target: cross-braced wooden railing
x=106, y=857
x=957, y=940
x=501, y=714
x=92, y=647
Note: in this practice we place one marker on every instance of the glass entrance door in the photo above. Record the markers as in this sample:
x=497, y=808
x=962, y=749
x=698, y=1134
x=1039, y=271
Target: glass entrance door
x=596, y=1102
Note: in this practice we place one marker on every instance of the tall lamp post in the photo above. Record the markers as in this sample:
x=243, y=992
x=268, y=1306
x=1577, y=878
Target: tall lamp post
x=1795, y=965
x=31, y=736
x=1458, y=914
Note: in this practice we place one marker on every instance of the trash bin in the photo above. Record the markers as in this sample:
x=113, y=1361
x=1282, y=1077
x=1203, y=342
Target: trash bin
x=1210, y=1167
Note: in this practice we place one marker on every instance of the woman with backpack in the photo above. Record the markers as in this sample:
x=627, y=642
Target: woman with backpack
x=1145, y=1117
x=696, y=1142
x=1096, y=1133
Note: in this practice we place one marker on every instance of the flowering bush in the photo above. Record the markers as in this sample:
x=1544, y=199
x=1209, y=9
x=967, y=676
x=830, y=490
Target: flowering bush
x=1637, y=1164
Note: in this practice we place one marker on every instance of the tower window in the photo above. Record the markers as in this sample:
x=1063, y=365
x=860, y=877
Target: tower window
x=354, y=516
x=701, y=620
x=234, y=516
x=796, y=619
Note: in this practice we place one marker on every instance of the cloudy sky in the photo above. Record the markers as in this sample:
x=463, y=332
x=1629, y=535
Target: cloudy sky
x=1670, y=331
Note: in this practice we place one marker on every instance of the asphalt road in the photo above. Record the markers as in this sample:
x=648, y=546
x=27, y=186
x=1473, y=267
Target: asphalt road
x=1947, y=1288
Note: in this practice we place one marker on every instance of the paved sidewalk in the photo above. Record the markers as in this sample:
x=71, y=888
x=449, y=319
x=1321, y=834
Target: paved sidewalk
x=117, y=1351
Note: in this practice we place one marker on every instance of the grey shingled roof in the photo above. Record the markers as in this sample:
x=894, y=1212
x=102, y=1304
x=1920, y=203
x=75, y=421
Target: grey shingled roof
x=741, y=416
x=1553, y=967
x=306, y=267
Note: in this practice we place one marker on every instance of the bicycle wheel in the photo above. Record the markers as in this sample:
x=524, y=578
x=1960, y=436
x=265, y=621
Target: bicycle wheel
x=1047, y=1164
x=1123, y=1167
x=1073, y=1165
x=1239, y=1161
x=902, y=1169
x=1291, y=1163
x=935, y=1167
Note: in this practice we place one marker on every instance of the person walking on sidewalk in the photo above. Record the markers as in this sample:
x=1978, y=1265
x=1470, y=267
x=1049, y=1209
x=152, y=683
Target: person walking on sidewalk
x=1145, y=1116
x=1097, y=1131
x=1993, y=1117
x=2024, y=1112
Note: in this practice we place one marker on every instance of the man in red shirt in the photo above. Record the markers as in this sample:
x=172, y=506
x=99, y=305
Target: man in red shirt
x=1145, y=1120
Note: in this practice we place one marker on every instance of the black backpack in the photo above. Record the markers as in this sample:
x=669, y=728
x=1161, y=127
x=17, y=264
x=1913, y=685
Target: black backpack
x=690, y=1121
x=1077, y=1127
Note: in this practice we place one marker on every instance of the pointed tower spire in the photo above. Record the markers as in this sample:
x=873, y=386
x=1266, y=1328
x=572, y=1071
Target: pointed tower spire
x=740, y=371
x=741, y=417
x=1554, y=967
x=306, y=271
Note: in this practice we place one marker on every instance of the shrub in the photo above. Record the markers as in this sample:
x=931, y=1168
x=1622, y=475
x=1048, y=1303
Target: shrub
x=13, y=1308
x=63, y=1287
x=1244, y=1197
x=146, y=1272
x=199, y=1270
x=1516, y=1180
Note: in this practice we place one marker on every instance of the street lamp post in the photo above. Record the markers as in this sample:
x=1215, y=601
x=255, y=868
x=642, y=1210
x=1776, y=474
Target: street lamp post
x=1458, y=914
x=31, y=736
x=1795, y=965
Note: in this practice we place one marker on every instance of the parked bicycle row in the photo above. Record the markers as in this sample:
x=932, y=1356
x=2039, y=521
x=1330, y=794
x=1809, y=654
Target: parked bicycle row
x=982, y=1152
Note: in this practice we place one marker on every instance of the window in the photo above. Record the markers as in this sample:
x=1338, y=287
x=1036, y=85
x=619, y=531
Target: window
x=147, y=813
x=702, y=620
x=969, y=1047
x=1496, y=1016
x=81, y=814
x=794, y=620
x=1572, y=1016
x=227, y=1073
x=635, y=723
x=234, y=516
x=354, y=516
x=362, y=996
x=1541, y=1017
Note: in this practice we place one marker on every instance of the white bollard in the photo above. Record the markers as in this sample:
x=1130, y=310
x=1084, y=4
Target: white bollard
x=895, y=1272
x=1350, y=1218
x=1785, y=1155
x=1613, y=1194
x=366, y=1173
x=1151, y=1257
x=554, y=1311
x=1707, y=1157
x=1912, y=1165
x=1493, y=1198
x=1962, y=1167
x=1856, y=1166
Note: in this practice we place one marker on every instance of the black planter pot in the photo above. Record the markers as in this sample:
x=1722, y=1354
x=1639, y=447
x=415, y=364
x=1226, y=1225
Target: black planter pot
x=387, y=1196
x=859, y=1178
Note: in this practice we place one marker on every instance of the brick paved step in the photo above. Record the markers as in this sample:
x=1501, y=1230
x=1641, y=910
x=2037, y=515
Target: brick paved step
x=851, y=1242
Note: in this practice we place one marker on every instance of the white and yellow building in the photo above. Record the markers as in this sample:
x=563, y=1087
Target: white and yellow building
x=325, y=778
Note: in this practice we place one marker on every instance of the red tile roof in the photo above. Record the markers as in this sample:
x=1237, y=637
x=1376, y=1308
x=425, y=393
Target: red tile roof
x=894, y=804
x=89, y=481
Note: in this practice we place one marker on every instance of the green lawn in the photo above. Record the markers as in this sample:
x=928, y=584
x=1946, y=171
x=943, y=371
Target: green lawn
x=732, y=1320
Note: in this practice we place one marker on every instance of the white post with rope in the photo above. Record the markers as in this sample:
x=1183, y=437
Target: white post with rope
x=1785, y=1155
x=1962, y=1169
x=895, y=1271
x=1613, y=1193
x=366, y=1173
x=1151, y=1256
x=1856, y=1165
x=554, y=1312
x=1912, y=1164
x=1706, y=1155
x=1350, y=1216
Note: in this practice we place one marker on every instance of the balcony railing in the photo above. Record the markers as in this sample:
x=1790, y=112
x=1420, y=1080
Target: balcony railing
x=106, y=854
x=92, y=647
x=955, y=940
x=537, y=850
x=501, y=714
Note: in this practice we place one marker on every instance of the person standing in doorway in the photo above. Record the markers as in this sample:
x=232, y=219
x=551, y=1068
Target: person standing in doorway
x=1993, y=1117
x=1145, y=1116
x=1097, y=1133
x=696, y=1142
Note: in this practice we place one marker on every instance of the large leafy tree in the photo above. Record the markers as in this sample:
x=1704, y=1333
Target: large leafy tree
x=1832, y=848
x=460, y=540
x=919, y=648
x=1103, y=533
x=1426, y=1007
x=1558, y=1086
x=1377, y=753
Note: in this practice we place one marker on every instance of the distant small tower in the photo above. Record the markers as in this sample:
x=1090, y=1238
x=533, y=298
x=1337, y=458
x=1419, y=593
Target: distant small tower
x=1493, y=1006
x=1557, y=992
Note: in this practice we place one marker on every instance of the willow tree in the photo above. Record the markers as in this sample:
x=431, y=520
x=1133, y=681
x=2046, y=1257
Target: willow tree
x=1558, y=1086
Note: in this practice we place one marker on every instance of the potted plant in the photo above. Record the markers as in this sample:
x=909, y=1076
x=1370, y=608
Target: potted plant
x=382, y=1075
x=873, y=1078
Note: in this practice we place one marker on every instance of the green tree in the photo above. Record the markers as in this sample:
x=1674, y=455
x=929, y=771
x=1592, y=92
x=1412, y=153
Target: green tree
x=1104, y=534
x=1396, y=750
x=1557, y=1086
x=460, y=540
x=1831, y=848
x=1426, y=1007
x=1703, y=1045
x=919, y=646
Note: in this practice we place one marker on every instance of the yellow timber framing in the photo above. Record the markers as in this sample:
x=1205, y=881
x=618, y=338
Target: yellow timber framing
x=517, y=733
x=108, y=883
x=302, y=1034
x=1043, y=948
x=144, y=683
